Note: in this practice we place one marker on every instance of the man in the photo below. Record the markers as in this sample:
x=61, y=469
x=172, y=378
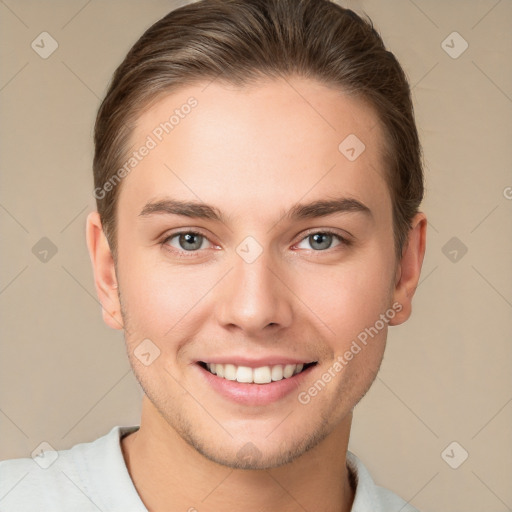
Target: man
x=258, y=177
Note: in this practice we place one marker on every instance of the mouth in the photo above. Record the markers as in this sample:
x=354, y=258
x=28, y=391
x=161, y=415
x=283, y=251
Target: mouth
x=260, y=375
x=255, y=383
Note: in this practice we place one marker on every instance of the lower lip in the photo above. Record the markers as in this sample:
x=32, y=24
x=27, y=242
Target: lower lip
x=254, y=394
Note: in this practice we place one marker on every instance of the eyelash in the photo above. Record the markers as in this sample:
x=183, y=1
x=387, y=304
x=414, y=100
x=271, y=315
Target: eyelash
x=191, y=254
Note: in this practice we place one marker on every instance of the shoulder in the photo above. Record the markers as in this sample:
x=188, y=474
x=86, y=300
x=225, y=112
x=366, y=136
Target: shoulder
x=65, y=479
x=370, y=497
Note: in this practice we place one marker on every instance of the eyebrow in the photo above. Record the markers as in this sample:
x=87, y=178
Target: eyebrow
x=194, y=209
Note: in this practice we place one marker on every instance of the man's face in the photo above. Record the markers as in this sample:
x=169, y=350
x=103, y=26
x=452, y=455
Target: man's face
x=261, y=288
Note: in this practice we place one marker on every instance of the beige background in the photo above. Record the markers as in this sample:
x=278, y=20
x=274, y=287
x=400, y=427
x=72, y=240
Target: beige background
x=64, y=376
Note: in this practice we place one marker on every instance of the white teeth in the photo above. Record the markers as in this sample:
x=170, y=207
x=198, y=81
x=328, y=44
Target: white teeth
x=244, y=374
x=229, y=371
x=261, y=375
x=277, y=372
x=288, y=370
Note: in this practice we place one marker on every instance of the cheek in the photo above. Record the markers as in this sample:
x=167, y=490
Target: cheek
x=349, y=297
x=159, y=298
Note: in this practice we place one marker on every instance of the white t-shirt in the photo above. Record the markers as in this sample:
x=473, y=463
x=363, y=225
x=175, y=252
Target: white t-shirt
x=93, y=477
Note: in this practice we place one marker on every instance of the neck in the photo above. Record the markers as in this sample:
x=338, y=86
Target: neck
x=167, y=471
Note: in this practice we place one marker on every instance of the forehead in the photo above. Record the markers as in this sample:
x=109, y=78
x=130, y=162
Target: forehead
x=250, y=147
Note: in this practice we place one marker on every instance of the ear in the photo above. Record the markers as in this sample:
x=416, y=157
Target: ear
x=409, y=268
x=105, y=278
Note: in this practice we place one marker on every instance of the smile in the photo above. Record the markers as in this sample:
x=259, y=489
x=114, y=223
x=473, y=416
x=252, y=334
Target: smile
x=260, y=375
x=255, y=382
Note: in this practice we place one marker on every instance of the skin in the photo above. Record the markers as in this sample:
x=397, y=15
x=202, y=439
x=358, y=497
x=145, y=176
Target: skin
x=253, y=153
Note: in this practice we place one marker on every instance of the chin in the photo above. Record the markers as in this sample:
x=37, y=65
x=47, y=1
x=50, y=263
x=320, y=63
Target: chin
x=258, y=454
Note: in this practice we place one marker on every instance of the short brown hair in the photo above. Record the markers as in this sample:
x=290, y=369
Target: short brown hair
x=242, y=41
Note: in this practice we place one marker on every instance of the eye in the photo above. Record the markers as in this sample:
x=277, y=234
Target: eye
x=188, y=241
x=322, y=240
x=191, y=242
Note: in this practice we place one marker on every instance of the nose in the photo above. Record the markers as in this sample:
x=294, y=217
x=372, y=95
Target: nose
x=254, y=298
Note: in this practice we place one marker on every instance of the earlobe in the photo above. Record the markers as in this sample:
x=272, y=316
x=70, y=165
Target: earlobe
x=105, y=278
x=409, y=268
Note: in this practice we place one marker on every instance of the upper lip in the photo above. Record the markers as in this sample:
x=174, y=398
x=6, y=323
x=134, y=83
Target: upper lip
x=256, y=362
